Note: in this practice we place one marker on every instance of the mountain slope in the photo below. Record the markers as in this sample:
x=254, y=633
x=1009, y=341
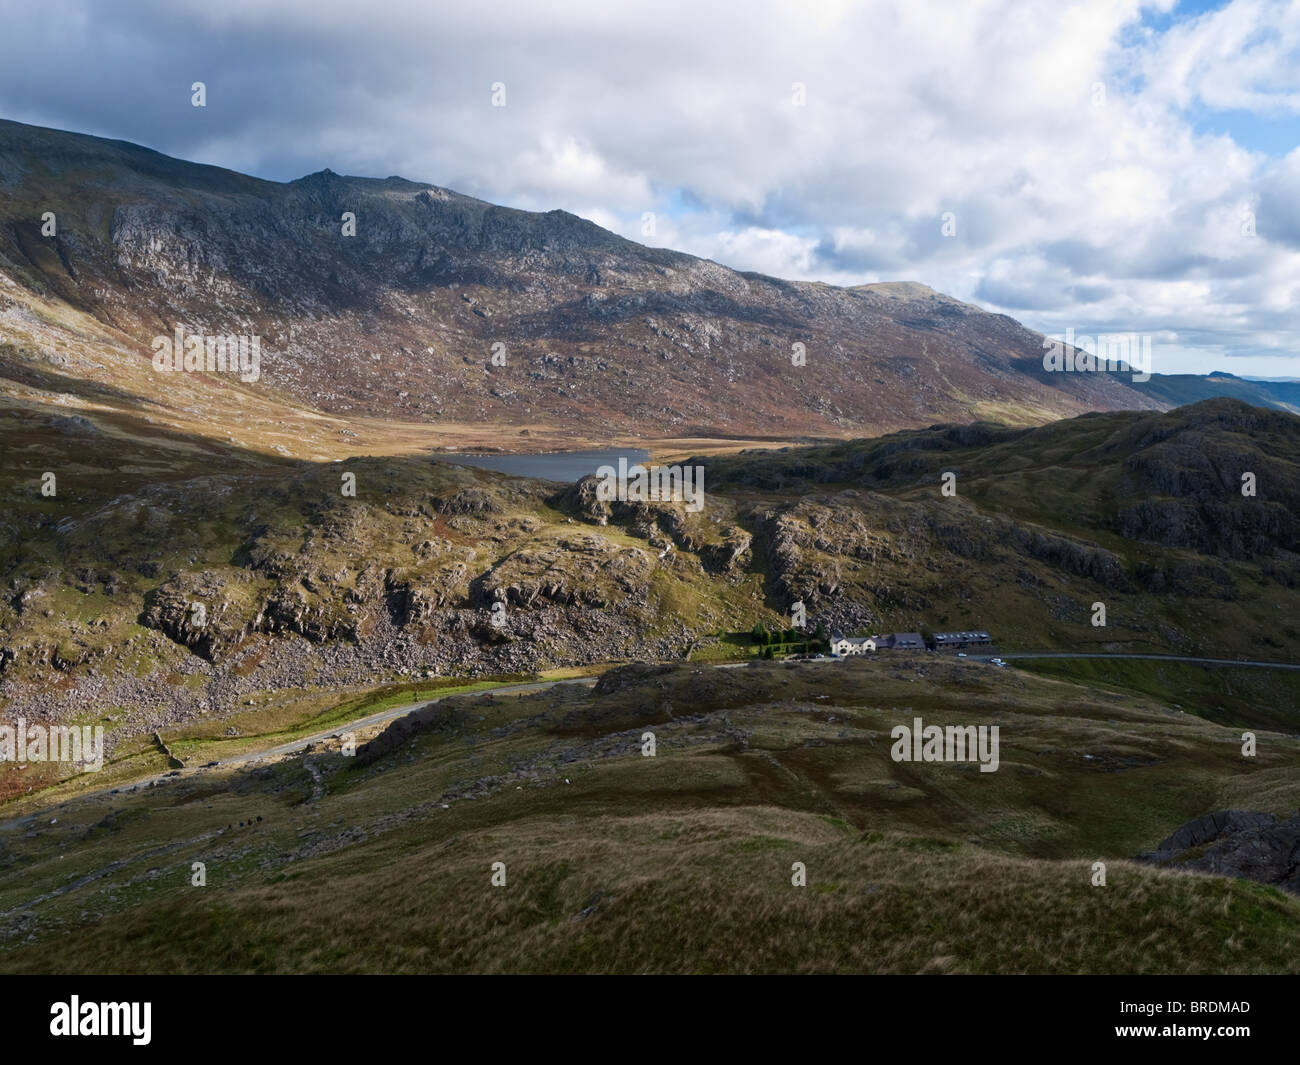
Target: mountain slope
x=1179, y=389
x=602, y=336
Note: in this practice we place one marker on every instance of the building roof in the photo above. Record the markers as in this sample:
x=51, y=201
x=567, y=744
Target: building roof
x=900, y=639
x=911, y=639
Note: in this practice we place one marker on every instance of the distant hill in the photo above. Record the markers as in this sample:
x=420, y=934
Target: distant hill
x=1176, y=390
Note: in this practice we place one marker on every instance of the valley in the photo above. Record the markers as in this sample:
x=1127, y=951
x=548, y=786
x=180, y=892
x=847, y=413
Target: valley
x=364, y=624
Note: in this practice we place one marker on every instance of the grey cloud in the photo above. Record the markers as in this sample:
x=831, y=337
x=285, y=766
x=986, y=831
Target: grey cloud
x=620, y=109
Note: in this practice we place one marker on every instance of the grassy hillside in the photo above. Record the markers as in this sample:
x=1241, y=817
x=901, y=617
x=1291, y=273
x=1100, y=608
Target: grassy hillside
x=681, y=862
x=1234, y=696
x=199, y=579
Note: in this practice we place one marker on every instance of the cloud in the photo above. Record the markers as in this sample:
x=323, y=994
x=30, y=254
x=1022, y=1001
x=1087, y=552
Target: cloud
x=1063, y=142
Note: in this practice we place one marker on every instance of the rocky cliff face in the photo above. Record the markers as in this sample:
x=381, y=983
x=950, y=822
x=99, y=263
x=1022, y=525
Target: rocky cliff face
x=597, y=333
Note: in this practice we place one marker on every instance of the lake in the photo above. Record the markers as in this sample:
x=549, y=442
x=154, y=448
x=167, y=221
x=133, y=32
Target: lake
x=566, y=466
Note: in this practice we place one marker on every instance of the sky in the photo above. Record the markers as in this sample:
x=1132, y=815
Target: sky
x=1108, y=166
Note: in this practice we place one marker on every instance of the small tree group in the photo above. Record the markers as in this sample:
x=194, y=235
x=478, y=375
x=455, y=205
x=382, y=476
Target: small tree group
x=784, y=638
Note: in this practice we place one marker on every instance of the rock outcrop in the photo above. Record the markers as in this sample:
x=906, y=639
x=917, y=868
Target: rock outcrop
x=1239, y=843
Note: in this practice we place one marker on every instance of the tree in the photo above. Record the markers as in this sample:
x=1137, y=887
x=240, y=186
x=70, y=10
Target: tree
x=760, y=634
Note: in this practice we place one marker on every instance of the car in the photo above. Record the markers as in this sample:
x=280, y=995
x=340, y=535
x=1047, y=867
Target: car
x=961, y=654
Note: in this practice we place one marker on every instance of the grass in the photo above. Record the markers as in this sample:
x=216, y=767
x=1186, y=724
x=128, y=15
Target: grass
x=282, y=720
x=727, y=647
x=1246, y=697
x=703, y=907
x=682, y=862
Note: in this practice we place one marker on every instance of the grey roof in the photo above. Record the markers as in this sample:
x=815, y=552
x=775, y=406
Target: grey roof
x=897, y=639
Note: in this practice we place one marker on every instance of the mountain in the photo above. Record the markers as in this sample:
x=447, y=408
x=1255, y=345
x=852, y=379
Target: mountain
x=198, y=556
x=396, y=326
x=1175, y=390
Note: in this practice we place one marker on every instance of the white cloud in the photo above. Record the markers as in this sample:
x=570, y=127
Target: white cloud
x=1114, y=214
x=1245, y=55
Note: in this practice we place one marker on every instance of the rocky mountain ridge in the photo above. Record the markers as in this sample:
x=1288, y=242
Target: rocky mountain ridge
x=401, y=320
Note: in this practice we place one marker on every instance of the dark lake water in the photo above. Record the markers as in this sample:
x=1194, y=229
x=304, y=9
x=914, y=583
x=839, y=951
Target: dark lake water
x=566, y=466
